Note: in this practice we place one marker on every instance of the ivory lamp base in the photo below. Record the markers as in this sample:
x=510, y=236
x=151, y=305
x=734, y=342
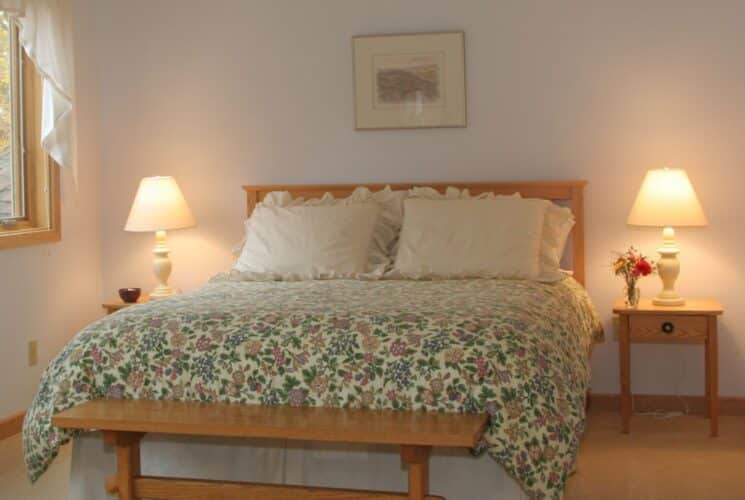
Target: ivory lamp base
x=160, y=292
x=668, y=267
x=161, y=267
x=672, y=301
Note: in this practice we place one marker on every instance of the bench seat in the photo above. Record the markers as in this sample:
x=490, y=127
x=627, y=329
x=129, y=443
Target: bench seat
x=124, y=422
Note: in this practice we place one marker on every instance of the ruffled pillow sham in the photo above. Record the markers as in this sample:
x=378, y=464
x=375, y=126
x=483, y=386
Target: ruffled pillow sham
x=557, y=225
x=471, y=238
x=308, y=242
x=385, y=231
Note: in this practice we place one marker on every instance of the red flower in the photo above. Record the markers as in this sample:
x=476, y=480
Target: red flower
x=642, y=268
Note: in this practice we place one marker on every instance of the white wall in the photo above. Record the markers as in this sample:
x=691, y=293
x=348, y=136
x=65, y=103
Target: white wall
x=48, y=292
x=261, y=92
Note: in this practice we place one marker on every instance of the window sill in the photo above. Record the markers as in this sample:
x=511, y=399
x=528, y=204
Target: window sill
x=26, y=237
x=39, y=230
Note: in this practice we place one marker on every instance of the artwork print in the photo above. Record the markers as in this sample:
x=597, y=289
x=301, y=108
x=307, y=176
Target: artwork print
x=410, y=81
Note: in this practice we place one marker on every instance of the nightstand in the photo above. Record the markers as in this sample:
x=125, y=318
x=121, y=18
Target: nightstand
x=117, y=304
x=692, y=323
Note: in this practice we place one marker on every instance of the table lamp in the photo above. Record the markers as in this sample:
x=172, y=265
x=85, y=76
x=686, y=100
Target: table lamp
x=667, y=199
x=159, y=206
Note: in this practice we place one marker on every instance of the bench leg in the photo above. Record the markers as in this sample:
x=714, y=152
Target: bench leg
x=417, y=460
x=127, y=463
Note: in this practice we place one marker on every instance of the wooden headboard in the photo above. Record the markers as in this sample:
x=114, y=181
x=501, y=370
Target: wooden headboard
x=569, y=193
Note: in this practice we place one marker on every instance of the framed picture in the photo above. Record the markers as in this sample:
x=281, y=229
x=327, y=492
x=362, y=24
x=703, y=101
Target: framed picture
x=410, y=81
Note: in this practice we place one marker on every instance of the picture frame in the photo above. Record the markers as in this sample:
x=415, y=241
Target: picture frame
x=415, y=80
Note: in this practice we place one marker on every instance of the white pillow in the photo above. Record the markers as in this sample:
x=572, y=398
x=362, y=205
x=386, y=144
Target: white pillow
x=454, y=193
x=467, y=238
x=309, y=242
x=387, y=228
x=557, y=225
x=451, y=193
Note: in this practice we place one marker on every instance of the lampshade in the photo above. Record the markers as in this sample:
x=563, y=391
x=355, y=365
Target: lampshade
x=666, y=199
x=159, y=205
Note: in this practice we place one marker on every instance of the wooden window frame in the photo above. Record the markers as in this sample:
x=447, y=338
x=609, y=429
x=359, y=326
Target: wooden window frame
x=41, y=220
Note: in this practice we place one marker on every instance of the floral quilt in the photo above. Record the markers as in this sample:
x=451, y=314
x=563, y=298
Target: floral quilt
x=515, y=349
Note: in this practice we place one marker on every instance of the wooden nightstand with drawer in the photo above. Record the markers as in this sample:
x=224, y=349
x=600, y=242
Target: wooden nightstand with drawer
x=693, y=323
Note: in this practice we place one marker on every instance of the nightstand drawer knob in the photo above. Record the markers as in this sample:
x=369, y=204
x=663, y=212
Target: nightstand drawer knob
x=668, y=327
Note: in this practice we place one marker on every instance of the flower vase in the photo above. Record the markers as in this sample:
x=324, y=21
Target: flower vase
x=631, y=295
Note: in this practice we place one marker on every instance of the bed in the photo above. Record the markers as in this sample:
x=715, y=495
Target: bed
x=516, y=349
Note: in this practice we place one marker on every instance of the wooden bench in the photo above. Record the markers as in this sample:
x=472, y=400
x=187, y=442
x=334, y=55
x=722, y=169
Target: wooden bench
x=124, y=422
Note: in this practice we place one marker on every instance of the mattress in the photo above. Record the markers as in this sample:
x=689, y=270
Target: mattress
x=515, y=349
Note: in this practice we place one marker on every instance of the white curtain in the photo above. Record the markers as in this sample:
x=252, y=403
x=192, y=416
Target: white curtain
x=45, y=32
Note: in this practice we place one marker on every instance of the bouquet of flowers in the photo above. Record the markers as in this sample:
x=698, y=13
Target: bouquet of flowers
x=632, y=265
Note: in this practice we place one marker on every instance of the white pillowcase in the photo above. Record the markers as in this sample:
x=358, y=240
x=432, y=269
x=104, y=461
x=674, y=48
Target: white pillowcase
x=454, y=193
x=471, y=238
x=387, y=228
x=308, y=242
x=558, y=223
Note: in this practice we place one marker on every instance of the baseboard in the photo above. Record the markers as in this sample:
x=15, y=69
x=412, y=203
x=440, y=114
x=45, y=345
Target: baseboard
x=11, y=425
x=731, y=406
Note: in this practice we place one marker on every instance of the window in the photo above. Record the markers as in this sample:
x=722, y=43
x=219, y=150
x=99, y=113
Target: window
x=29, y=179
x=11, y=170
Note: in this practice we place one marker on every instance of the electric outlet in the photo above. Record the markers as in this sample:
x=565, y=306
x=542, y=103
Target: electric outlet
x=33, y=352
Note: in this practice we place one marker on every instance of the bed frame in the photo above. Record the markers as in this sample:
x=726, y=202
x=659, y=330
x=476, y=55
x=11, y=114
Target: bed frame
x=569, y=193
x=124, y=422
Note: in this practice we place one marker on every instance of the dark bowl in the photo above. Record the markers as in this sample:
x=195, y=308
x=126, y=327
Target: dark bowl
x=129, y=295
